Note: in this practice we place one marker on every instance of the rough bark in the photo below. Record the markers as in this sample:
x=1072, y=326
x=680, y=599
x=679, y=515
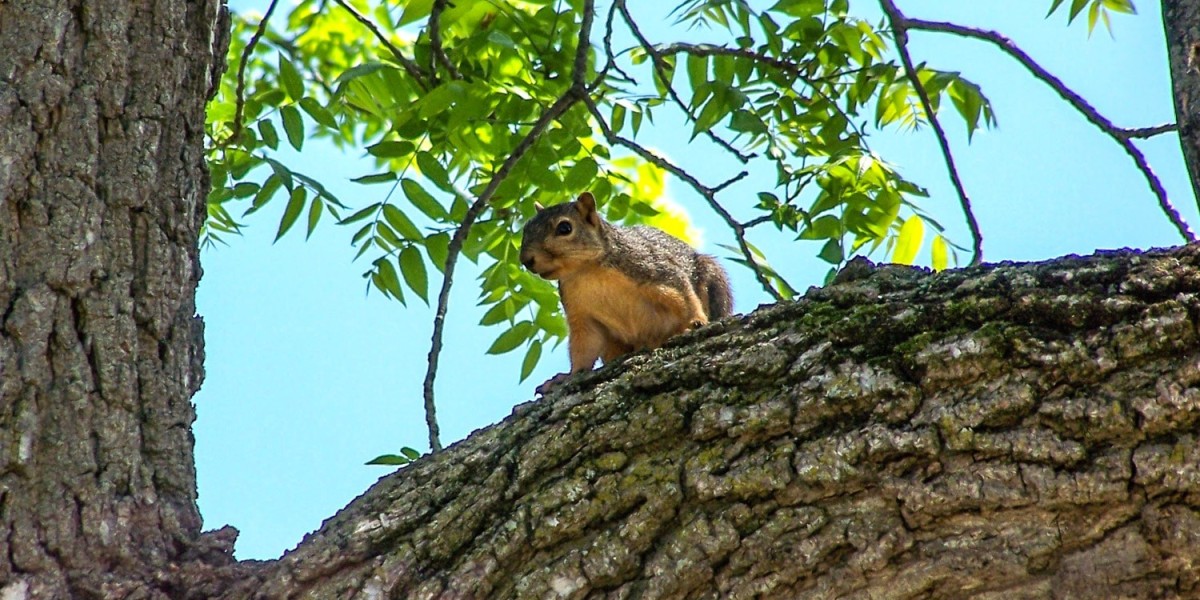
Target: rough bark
x=1181, y=22
x=1019, y=431
x=1012, y=431
x=102, y=192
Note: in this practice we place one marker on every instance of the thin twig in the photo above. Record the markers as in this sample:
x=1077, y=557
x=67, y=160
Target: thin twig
x=708, y=193
x=409, y=66
x=657, y=60
x=756, y=221
x=608, y=50
x=569, y=98
x=900, y=32
x=1123, y=137
x=239, y=110
x=435, y=41
x=1147, y=132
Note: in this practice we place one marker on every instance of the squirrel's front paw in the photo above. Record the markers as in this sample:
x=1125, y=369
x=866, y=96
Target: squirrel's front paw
x=551, y=383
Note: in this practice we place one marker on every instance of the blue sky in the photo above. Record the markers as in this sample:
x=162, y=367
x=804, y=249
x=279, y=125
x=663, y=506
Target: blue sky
x=308, y=377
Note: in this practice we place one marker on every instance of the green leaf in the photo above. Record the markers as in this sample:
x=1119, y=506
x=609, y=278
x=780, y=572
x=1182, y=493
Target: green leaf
x=390, y=460
x=433, y=170
x=832, y=252
x=266, y=130
x=532, y=356
x=314, y=215
x=1121, y=6
x=360, y=215
x=423, y=200
x=293, y=125
x=582, y=174
x=391, y=149
x=283, y=173
x=245, y=189
x=617, y=123
x=290, y=77
x=438, y=247
x=401, y=223
x=503, y=310
x=375, y=178
x=413, y=268
x=292, y=212
x=414, y=11
x=389, y=281
x=912, y=232
x=264, y=195
x=319, y=113
x=940, y=253
x=411, y=453
x=697, y=70
x=509, y=340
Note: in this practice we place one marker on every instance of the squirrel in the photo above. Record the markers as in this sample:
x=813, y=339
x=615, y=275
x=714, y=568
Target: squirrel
x=623, y=288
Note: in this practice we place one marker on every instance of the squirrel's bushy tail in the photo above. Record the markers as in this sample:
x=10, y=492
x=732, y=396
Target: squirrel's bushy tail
x=713, y=288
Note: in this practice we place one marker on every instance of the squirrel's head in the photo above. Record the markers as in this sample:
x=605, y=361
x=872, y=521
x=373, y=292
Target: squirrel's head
x=562, y=238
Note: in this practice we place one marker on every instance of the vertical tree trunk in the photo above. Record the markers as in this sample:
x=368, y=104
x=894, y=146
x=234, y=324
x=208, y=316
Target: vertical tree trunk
x=1181, y=21
x=102, y=189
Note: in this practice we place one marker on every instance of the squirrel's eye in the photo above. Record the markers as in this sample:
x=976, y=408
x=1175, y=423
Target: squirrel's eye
x=563, y=228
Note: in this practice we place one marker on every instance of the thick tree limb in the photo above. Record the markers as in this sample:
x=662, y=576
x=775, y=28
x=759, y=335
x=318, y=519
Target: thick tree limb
x=1123, y=137
x=900, y=32
x=1183, y=54
x=1014, y=430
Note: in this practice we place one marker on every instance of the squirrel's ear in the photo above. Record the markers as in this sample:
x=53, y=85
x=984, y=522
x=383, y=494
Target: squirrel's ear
x=538, y=206
x=587, y=207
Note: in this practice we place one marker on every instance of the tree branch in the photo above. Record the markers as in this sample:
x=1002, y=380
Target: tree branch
x=1147, y=132
x=569, y=98
x=1123, y=137
x=409, y=66
x=435, y=40
x=708, y=193
x=657, y=60
x=900, y=32
x=239, y=110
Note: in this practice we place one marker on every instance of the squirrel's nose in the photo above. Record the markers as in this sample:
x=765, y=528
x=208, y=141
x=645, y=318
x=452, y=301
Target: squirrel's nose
x=528, y=262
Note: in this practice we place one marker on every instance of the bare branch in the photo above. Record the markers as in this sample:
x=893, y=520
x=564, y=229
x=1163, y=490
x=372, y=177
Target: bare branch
x=435, y=40
x=569, y=98
x=409, y=66
x=756, y=221
x=610, y=56
x=900, y=32
x=709, y=194
x=1147, y=132
x=1123, y=137
x=657, y=60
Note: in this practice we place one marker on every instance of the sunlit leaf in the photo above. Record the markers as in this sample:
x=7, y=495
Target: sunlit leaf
x=939, y=254
x=908, y=241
